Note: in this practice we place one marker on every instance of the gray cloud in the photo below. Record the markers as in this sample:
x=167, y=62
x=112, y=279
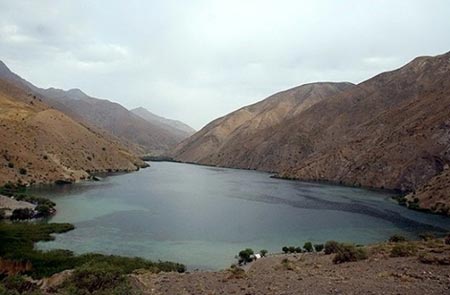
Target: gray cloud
x=197, y=60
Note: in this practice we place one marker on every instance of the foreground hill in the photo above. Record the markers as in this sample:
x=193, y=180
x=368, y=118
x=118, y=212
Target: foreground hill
x=391, y=131
x=42, y=145
x=135, y=132
x=423, y=272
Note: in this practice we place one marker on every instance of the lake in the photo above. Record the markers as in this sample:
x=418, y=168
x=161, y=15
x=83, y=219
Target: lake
x=202, y=216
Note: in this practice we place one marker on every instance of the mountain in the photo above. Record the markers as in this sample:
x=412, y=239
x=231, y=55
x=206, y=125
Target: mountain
x=137, y=134
x=43, y=145
x=391, y=131
x=238, y=139
x=175, y=127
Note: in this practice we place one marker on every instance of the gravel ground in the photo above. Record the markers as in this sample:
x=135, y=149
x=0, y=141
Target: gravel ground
x=316, y=274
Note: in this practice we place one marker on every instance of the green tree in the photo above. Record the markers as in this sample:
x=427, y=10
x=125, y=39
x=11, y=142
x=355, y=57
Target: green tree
x=263, y=252
x=246, y=254
x=308, y=247
x=318, y=247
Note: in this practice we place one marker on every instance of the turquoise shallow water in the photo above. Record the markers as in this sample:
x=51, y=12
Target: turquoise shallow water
x=202, y=216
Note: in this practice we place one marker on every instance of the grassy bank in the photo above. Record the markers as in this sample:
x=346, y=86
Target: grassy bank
x=93, y=273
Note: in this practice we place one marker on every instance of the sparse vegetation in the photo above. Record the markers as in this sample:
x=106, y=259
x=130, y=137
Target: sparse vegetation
x=427, y=236
x=349, y=253
x=287, y=264
x=397, y=239
x=403, y=249
x=236, y=272
x=331, y=247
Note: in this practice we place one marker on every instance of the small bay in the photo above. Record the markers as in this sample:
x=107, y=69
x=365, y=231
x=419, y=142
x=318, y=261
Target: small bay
x=202, y=216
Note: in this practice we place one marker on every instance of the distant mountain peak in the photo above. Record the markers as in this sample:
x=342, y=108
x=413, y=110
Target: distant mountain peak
x=179, y=126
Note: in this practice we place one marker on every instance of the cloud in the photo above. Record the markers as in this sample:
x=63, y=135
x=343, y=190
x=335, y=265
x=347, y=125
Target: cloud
x=196, y=60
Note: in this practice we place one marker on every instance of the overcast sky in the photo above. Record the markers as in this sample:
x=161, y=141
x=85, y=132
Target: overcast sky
x=198, y=60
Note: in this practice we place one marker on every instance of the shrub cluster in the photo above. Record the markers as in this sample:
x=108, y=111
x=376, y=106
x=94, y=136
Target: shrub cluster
x=44, y=207
x=349, y=253
x=307, y=247
x=403, y=249
x=331, y=247
x=291, y=249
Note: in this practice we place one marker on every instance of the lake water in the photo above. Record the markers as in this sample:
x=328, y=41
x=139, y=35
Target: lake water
x=202, y=216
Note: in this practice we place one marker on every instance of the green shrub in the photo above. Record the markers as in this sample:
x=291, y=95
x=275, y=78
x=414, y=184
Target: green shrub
x=43, y=210
x=22, y=214
x=308, y=247
x=403, y=250
x=246, y=254
x=298, y=250
x=16, y=284
x=349, y=253
x=318, y=247
x=263, y=252
x=331, y=247
x=95, y=277
x=397, y=239
x=10, y=165
x=23, y=171
x=285, y=249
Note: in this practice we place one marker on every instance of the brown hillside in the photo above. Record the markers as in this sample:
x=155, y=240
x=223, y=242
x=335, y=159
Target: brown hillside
x=106, y=117
x=391, y=131
x=238, y=131
x=42, y=145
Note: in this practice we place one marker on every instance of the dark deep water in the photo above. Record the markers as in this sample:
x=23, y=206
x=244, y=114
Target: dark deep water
x=202, y=216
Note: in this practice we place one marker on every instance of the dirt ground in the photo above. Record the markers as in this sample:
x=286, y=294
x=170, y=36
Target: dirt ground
x=426, y=272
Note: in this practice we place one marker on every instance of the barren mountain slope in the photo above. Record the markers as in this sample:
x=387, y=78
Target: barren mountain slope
x=391, y=131
x=173, y=126
x=136, y=133
x=238, y=131
x=42, y=145
x=113, y=118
